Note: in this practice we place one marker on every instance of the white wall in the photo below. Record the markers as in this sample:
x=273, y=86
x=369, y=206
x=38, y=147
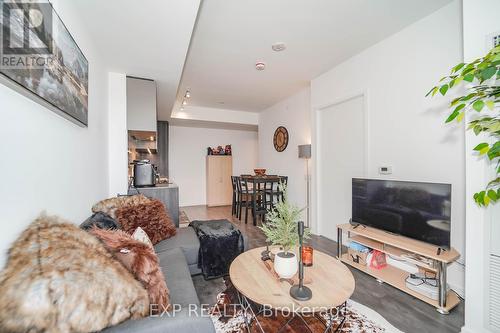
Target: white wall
x=117, y=134
x=405, y=129
x=49, y=163
x=188, y=149
x=294, y=114
x=480, y=19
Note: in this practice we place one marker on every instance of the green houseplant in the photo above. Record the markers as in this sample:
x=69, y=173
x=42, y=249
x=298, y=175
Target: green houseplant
x=482, y=96
x=281, y=229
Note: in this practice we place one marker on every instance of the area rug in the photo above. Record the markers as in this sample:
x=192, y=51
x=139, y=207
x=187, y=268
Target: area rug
x=183, y=220
x=228, y=318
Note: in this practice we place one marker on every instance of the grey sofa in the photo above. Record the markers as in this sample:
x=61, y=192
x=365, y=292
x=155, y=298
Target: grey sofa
x=178, y=260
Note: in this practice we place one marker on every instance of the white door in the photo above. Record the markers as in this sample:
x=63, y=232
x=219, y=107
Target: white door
x=341, y=156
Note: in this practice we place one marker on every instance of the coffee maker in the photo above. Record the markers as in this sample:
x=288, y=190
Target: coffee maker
x=145, y=173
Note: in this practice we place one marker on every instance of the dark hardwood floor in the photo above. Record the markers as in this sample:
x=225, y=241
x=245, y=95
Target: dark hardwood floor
x=405, y=312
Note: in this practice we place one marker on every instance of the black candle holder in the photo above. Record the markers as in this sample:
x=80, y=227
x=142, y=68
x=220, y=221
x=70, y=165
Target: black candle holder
x=301, y=292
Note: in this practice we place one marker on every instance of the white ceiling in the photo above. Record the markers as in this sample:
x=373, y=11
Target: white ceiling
x=147, y=39
x=231, y=35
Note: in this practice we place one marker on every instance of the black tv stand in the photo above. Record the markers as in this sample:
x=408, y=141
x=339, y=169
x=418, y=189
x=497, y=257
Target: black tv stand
x=389, y=244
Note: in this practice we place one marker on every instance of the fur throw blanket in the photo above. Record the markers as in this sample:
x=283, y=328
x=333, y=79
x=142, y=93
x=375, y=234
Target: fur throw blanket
x=59, y=279
x=141, y=260
x=220, y=243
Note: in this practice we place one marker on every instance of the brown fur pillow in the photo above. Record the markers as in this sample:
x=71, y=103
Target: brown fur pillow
x=140, y=260
x=152, y=217
x=109, y=206
x=59, y=278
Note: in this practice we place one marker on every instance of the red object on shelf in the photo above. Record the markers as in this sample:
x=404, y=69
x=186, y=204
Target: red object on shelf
x=378, y=260
x=307, y=256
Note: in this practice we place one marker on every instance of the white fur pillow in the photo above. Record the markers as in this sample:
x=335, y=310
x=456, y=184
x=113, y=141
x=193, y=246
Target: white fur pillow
x=60, y=278
x=140, y=235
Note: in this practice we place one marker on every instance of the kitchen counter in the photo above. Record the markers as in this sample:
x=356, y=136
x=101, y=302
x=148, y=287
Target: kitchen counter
x=163, y=185
x=166, y=193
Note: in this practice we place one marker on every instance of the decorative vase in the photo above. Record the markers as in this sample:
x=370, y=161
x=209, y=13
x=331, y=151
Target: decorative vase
x=285, y=264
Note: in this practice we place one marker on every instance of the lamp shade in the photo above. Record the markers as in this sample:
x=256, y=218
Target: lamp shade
x=305, y=151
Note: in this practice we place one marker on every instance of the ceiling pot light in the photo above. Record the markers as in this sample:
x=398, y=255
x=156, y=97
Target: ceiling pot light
x=260, y=66
x=188, y=94
x=184, y=102
x=278, y=47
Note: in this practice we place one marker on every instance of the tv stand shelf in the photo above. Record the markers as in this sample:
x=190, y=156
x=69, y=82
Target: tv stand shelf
x=397, y=246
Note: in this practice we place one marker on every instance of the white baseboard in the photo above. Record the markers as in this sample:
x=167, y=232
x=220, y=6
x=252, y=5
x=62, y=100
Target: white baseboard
x=458, y=289
x=466, y=329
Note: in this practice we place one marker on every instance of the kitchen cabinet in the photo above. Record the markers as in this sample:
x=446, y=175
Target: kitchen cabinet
x=141, y=104
x=219, y=188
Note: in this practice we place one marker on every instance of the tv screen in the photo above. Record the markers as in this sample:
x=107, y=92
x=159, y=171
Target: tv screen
x=421, y=211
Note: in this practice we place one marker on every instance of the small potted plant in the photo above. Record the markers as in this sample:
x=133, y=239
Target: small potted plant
x=280, y=229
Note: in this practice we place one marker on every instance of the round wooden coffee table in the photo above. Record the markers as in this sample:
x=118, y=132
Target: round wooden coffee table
x=331, y=282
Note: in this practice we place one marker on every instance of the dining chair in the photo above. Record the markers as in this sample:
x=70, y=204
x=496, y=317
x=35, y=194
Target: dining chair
x=234, y=203
x=240, y=198
x=271, y=191
x=259, y=200
x=283, y=180
x=245, y=196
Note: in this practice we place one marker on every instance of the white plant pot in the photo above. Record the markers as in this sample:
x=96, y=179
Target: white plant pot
x=286, y=265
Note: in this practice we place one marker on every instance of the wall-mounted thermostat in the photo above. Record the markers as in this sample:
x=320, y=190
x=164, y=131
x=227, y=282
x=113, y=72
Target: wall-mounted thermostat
x=385, y=170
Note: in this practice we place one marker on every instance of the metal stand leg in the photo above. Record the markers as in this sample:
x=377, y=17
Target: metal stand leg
x=251, y=317
x=442, y=287
x=339, y=243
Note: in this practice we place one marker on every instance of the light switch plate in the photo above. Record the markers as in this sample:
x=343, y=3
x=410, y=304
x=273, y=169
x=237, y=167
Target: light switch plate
x=385, y=170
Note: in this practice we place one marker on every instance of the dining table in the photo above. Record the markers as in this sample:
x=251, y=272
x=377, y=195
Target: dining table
x=263, y=191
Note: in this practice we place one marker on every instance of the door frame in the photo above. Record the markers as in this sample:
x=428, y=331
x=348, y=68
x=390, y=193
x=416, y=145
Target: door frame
x=316, y=145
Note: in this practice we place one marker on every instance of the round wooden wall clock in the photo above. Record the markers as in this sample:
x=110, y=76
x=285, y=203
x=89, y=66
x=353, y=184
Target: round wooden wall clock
x=280, y=139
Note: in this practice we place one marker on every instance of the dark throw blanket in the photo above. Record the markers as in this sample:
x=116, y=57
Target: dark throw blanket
x=220, y=243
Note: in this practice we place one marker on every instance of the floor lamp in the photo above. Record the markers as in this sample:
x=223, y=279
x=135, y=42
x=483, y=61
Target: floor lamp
x=305, y=153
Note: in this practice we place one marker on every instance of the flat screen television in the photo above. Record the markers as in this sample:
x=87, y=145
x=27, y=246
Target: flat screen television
x=421, y=211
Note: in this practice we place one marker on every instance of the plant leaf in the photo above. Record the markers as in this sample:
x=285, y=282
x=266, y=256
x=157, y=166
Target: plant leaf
x=488, y=73
x=458, y=67
x=460, y=117
x=490, y=105
x=452, y=116
x=482, y=148
x=460, y=107
x=477, y=129
x=494, y=182
x=432, y=91
x=492, y=195
x=479, y=198
x=478, y=105
x=469, y=77
x=469, y=96
x=444, y=88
